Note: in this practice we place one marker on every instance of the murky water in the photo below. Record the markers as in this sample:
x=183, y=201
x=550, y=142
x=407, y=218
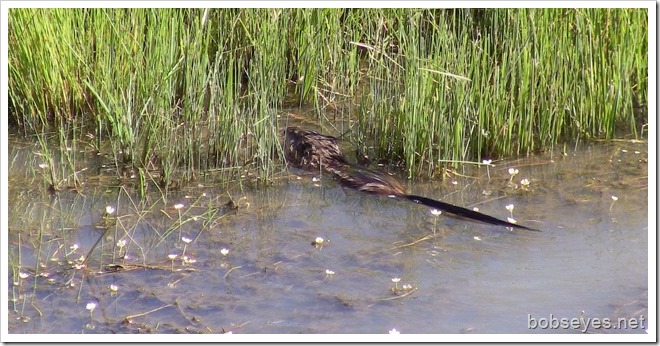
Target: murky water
x=256, y=270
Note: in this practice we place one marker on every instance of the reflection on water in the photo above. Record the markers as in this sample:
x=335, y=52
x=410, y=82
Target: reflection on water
x=256, y=270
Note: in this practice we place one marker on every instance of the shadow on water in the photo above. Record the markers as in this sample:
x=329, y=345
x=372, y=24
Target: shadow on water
x=206, y=268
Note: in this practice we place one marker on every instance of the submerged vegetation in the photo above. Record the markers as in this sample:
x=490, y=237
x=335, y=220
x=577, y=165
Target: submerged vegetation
x=170, y=94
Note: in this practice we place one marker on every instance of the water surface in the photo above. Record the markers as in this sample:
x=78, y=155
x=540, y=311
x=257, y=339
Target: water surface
x=589, y=261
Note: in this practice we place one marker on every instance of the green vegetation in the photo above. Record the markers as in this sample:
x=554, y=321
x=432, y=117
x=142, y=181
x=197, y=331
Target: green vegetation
x=173, y=93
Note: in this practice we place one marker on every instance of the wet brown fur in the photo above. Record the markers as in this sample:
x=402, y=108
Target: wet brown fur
x=310, y=150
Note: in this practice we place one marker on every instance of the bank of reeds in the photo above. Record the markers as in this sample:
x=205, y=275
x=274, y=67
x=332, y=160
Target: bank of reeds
x=174, y=93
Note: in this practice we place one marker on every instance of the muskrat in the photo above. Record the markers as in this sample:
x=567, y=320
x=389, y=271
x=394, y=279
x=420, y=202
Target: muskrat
x=311, y=150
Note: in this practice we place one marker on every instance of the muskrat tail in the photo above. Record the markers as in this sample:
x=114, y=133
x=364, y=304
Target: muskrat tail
x=463, y=212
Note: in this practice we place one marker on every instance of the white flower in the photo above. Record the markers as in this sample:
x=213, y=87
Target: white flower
x=178, y=206
x=114, y=288
x=394, y=331
x=172, y=256
x=224, y=252
x=513, y=171
x=509, y=207
x=329, y=272
x=524, y=182
x=186, y=240
x=512, y=220
x=109, y=210
x=43, y=165
x=395, y=280
x=436, y=212
x=74, y=247
x=477, y=238
x=319, y=240
x=487, y=162
x=23, y=275
x=615, y=198
x=91, y=306
x=121, y=243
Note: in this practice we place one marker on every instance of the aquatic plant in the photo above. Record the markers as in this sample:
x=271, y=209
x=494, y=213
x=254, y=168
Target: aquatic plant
x=171, y=94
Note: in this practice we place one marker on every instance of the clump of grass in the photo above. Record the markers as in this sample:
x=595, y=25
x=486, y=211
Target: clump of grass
x=466, y=84
x=171, y=94
x=160, y=86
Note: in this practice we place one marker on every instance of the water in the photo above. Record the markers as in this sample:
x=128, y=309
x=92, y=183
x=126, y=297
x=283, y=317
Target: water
x=589, y=261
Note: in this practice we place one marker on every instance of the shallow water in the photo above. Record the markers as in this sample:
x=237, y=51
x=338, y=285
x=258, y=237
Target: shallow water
x=589, y=261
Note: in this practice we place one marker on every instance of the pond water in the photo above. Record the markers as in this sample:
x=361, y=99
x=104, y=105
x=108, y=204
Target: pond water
x=260, y=269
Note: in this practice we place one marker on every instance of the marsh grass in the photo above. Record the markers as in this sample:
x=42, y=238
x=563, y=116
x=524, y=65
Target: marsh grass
x=474, y=84
x=172, y=94
x=57, y=245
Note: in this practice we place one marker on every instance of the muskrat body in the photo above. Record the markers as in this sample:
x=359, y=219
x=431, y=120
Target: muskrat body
x=311, y=150
x=370, y=181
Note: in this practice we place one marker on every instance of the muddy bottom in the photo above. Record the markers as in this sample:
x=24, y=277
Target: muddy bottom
x=382, y=264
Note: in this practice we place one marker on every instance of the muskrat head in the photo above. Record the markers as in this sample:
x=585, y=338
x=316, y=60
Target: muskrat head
x=311, y=150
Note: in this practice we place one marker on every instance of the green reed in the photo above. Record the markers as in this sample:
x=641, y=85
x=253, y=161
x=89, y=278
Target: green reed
x=469, y=84
x=171, y=94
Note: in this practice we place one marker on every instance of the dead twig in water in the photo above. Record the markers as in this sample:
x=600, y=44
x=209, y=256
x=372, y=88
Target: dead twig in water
x=427, y=237
x=409, y=292
x=130, y=317
x=230, y=270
